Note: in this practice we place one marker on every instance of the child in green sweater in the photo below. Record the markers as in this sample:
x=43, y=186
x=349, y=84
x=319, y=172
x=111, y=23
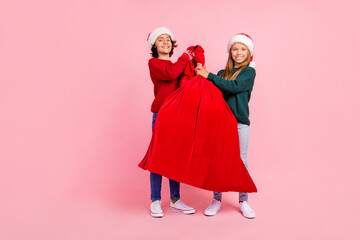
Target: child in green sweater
x=236, y=82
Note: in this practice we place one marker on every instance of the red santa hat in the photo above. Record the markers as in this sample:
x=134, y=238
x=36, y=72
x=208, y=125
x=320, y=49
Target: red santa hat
x=247, y=41
x=156, y=33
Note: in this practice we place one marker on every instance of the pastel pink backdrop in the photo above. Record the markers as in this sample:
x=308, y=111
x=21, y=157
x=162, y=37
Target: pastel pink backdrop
x=75, y=96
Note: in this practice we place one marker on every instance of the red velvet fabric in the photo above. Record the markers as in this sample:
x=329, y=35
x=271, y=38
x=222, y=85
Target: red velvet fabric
x=189, y=70
x=195, y=139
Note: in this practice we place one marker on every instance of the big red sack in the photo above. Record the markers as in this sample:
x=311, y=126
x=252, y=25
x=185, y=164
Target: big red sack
x=195, y=139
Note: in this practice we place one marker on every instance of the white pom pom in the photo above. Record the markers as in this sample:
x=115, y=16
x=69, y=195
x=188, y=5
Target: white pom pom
x=252, y=64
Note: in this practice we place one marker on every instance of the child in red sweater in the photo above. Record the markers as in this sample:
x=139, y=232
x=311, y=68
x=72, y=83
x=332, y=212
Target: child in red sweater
x=164, y=75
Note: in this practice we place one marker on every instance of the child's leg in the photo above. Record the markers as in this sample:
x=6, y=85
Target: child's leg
x=155, y=185
x=155, y=179
x=153, y=120
x=218, y=196
x=243, y=196
x=174, y=189
x=176, y=204
x=243, y=131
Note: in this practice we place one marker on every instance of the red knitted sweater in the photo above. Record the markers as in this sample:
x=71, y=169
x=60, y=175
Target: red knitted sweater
x=164, y=74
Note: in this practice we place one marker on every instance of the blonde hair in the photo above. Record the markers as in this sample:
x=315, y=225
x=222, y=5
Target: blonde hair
x=227, y=74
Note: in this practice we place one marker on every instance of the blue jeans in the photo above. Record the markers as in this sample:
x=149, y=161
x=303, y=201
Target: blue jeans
x=243, y=131
x=156, y=179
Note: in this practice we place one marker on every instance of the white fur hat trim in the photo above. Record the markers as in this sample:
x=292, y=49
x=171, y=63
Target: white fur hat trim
x=156, y=33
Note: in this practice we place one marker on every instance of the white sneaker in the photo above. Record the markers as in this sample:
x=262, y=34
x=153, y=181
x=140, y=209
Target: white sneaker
x=155, y=209
x=246, y=210
x=181, y=207
x=214, y=207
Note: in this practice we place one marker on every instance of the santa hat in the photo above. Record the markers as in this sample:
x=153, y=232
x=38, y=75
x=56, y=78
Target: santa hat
x=156, y=33
x=247, y=41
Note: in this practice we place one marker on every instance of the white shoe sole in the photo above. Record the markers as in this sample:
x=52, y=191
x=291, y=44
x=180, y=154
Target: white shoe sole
x=248, y=217
x=183, y=211
x=157, y=215
x=211, y=214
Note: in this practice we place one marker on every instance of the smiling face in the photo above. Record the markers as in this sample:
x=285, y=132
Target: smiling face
x=163, y=44
x=239, y=53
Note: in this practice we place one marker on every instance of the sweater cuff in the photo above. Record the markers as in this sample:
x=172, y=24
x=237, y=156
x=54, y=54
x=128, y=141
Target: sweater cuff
x=211, y=76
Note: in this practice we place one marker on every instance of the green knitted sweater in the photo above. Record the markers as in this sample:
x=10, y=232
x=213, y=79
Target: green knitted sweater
x=236, y=92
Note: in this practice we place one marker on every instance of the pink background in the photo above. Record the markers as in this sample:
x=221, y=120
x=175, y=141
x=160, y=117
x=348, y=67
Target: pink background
x=75, y=95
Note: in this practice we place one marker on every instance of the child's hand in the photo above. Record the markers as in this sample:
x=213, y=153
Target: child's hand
x=201, y=70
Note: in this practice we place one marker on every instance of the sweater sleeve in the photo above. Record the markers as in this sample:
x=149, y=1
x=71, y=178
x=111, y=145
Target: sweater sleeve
x=243, y=82
x=220, y=72
x=168, y=72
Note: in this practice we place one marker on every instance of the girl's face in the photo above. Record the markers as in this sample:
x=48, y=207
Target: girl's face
x=163, y=44
x=239, y=53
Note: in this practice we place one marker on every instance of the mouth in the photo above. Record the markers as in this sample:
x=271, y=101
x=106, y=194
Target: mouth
x=165, y=47
x=239, y=58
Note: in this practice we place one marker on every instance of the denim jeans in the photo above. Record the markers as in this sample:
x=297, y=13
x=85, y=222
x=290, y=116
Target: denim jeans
x=156, y=179
x=243, y=131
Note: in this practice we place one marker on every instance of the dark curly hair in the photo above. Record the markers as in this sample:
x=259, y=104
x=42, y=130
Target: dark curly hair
x=154, y=53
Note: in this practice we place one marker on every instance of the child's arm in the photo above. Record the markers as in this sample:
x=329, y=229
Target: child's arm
x=243, y=82
x=165, y=72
